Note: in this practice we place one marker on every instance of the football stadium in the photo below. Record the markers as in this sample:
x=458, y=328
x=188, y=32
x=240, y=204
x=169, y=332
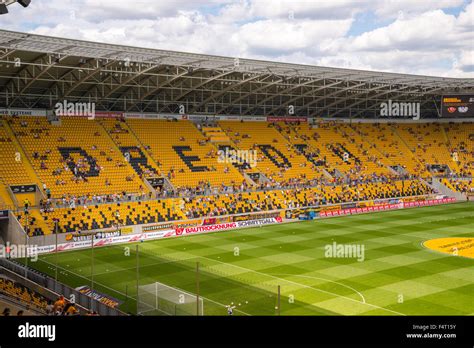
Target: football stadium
x=141, y=181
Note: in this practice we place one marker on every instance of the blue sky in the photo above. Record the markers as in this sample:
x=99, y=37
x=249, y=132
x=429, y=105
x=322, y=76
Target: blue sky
x=429, y=37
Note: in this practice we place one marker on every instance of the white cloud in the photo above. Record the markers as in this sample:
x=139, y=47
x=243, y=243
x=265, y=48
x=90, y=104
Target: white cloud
x=430, y=43
x=411, y=37
x=395, y=8
x=287, y=36
x=465, y=62
x=415, y=33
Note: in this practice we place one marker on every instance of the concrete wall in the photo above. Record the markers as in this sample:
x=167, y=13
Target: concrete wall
x=13, y=232
x=443, y=189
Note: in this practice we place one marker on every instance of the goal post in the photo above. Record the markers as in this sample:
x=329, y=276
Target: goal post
x=161, y=299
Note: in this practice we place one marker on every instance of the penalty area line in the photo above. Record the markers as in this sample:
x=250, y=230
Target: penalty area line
x=303, y=285
x=319, y=278
x=134, y=298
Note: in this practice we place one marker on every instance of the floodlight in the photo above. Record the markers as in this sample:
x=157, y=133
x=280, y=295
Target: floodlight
x=5, y=3
x=24, y=3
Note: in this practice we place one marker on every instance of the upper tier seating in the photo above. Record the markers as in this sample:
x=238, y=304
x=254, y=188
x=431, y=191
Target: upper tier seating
x=394, y=150
x=428, y=142
x=118, y=154
x=130, y=147
x=183, y=153
x=339, y=147
x=12, y=168
x=77, y=157
x=278, y=160
x=461, y=145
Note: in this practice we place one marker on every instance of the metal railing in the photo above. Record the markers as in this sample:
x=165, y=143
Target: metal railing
x=51, y=289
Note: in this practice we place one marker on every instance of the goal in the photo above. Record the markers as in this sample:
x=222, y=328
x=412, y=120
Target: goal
x=161, y=299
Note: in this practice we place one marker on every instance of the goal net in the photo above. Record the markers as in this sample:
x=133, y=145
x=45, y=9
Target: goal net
x=160, y=299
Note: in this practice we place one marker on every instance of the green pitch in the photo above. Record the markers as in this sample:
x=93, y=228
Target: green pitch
x=243, y=268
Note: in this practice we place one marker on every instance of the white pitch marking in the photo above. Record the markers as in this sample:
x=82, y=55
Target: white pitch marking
x=327, y=280
x=305, y=286
x=119, y=292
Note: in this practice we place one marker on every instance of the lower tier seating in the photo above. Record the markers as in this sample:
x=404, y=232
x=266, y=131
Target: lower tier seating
x=22, y=293
x=93, y=217
x=463, y=186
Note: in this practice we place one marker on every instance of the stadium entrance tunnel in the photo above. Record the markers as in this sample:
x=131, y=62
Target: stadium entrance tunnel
x=455, y=246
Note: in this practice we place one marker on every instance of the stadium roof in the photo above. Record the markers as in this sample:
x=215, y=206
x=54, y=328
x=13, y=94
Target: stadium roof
x=38, y=71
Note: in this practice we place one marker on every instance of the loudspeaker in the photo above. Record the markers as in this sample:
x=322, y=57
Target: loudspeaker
x=24, y=3
x=3, y=9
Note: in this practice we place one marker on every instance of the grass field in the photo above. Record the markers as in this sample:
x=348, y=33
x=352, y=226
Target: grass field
x=398, y=275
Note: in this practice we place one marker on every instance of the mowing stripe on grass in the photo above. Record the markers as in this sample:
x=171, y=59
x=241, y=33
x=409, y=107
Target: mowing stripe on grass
x=292, y=255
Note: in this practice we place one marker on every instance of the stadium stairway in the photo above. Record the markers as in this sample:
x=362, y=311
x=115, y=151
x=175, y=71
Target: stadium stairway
x=130, y=146
x=216, y=135
x=15, y=168
x=183, y=153
x=323, y=139
x=445, y=188
x=365, y=151
x=427, y=144
x=277, y=157
x=454, y=164
x=222, y=142
x=461, y=139
x=5, y=199
x=395, y=152
x=311, y=155
x=27, y=168
x=377, y=152
x=36, y=223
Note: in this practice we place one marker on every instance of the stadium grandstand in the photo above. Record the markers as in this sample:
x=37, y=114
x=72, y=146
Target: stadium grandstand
x=166, y=115
x=114, y=141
